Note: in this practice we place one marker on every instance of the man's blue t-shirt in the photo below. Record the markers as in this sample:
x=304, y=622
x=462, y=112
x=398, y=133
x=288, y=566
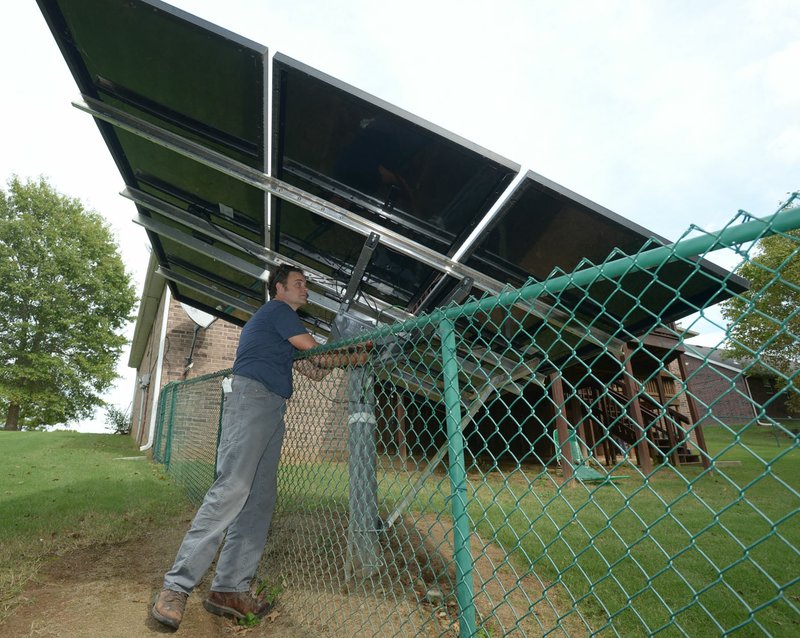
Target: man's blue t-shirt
x=264, y=351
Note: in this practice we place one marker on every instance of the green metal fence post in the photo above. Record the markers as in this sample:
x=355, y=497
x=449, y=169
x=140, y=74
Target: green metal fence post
x=219, y=426
x=458, y=482
x=168, y=447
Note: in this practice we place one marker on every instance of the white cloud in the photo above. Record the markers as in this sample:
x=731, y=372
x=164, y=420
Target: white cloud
x=780, y=73
x=785, y=147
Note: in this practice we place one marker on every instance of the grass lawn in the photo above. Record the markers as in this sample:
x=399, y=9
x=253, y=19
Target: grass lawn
x=687, y=552
x=64, y=490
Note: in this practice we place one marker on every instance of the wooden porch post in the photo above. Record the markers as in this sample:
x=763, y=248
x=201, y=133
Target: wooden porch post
x=698, y=429
x=673, y=443
x=635, y=413
x=557, y=395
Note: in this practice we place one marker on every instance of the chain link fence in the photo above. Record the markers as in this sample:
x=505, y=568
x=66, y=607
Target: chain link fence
x=187, y=431
x=526, y=465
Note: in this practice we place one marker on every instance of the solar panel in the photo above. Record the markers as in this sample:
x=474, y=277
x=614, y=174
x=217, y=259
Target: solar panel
x=372, y=201
x=384, y=165
x=164, y=67
x=563, y=231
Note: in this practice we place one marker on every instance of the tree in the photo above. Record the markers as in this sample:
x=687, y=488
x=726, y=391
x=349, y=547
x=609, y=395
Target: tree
x=65, y=297
x=118, y=420
x=765, y=320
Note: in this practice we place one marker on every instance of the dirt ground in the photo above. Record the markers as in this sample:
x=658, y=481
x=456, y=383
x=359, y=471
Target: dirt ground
x=106, y=591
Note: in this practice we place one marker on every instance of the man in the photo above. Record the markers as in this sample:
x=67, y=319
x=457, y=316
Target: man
x=242, y=498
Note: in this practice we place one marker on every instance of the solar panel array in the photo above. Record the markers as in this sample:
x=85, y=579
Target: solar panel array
x=378, y=206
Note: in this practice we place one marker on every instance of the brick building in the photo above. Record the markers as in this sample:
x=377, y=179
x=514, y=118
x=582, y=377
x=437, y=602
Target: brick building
x=728, y=391
x=171, y=346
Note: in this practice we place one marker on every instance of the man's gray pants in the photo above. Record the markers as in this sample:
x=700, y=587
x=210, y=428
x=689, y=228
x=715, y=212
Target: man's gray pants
x=242, y=498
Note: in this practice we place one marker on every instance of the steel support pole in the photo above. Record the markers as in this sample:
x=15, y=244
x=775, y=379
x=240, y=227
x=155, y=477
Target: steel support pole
x=363, y=546
x=458, y=483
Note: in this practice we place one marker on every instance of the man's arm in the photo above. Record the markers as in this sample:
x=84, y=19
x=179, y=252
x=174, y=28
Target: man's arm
x=319, y=366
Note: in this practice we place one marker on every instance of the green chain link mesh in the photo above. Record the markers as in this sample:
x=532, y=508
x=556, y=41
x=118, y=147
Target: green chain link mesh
x=507, y=468
x=187, y=431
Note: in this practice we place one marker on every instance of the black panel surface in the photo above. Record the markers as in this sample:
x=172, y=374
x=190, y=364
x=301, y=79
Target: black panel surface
x=377, y=163
x=382, y=164
x=168, y=68
x=545, y=229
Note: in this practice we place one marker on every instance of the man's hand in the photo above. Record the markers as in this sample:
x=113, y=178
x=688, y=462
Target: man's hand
x=309, y=369
x=319, y=366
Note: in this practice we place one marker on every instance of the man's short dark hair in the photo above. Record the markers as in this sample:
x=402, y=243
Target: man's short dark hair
x=279, y=276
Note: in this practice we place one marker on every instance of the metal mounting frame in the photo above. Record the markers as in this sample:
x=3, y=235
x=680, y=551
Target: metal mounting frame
x=232, y=301
x=346, y=324
x=327, y=210
x=268, y=257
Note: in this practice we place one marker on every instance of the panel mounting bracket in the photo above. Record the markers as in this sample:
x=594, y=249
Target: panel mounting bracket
x=460, y=292
x=344, y=325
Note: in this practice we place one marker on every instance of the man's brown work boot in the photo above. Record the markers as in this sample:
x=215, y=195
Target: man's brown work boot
x=235, y=604
x=169, y=606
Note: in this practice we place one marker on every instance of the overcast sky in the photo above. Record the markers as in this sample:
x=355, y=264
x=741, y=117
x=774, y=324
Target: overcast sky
x=669, y=113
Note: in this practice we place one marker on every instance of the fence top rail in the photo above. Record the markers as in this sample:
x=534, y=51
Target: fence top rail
x=784, y=219
x=194, y=380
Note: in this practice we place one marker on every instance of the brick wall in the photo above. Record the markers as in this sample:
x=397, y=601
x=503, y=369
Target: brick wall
x=214, y=347
x=719, y=393
x=214, y=350
x=316, y=416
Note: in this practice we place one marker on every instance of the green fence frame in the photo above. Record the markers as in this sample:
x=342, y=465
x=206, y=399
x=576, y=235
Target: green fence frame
x=528, y=532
